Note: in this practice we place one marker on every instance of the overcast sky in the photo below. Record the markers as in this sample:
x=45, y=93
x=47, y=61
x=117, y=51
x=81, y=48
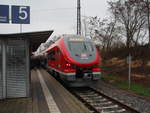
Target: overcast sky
x=57, y=15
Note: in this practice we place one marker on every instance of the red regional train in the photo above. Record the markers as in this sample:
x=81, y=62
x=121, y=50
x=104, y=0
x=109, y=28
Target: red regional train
x=75, y=60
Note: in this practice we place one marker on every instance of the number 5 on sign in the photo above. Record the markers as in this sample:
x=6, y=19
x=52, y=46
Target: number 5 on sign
x=20, y=14
x=23, y=13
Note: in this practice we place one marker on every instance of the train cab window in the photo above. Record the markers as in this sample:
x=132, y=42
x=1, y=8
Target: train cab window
x=80, y=46
x=51, y=55
x=89, y=46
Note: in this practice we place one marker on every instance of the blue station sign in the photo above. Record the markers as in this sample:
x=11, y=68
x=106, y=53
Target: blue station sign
x=20, y=14
x=4, y=14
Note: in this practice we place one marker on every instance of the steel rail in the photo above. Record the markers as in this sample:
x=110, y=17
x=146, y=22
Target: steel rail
x=85, y=96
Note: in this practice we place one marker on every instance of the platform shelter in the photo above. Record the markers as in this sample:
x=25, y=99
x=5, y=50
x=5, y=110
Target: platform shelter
x=15, y=50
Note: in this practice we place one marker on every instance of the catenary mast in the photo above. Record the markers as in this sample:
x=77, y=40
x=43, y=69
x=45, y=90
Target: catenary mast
x=78, y=18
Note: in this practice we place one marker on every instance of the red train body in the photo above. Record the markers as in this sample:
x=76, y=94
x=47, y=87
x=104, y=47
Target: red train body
x=75, y=60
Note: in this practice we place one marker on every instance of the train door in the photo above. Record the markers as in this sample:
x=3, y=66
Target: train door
x=51, y=59
x=16, y=68
x=1, y=78
x=59, y=60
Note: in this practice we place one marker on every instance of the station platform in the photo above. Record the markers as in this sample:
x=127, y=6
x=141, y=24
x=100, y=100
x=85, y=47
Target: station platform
x=48, y=96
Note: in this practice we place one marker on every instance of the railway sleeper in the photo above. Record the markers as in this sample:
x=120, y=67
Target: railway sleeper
x=90, y=95
x=87, y=93
x=116, y=111
x=110, y=107
x=104, y=103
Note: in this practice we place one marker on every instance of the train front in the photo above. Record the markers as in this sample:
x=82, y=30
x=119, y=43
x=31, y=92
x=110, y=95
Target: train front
x=84, y=58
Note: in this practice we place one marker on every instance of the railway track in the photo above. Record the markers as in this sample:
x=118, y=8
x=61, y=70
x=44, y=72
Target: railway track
x=100, y=103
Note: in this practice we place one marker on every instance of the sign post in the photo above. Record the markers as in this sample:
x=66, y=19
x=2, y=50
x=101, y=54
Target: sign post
x=20, y=15
x=129, y=72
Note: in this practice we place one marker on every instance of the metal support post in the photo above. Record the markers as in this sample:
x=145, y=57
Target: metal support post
x=129, y=76
x=4, y=66
x=78, y=18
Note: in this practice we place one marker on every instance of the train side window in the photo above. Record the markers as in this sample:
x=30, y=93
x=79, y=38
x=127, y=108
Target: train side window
x=51, y=55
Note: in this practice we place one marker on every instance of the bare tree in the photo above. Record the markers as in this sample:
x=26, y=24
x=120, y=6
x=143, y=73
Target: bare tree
x=130, y=17
x=104, y=31
x=145, y=8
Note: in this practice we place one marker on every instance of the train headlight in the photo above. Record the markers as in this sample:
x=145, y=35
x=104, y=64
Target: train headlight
x=68, y=65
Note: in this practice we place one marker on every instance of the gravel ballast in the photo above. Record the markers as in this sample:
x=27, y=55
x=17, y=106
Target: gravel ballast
x=138, y=102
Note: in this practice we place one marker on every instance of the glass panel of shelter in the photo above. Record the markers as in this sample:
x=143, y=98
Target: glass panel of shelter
x=16, y=68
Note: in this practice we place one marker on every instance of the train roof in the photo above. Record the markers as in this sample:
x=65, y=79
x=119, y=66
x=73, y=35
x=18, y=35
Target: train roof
x=66, y=37
x=76, y=36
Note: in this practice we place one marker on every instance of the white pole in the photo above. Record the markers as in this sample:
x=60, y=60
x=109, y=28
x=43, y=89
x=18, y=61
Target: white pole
x=20, y=28
x=129, y=77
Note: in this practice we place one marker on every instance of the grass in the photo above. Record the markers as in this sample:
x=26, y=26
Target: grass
x=123, y=84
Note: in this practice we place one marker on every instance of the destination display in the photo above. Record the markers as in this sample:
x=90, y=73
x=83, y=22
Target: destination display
x=76, y=39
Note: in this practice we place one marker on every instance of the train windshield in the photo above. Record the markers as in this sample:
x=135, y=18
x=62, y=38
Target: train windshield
x=80, y=46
